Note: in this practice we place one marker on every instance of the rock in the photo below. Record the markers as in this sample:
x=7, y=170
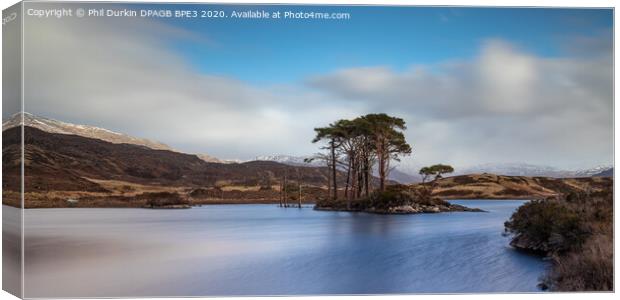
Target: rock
x=556, y=240
x=431, y=209
x=403, y=209
x=72, y=202
x=543, y=286
x=456, y=207
x=400, y=209
x=523, y=242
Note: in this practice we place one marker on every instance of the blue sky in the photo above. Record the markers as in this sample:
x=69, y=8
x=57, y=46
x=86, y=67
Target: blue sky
x=475, y=85
x=276, y=51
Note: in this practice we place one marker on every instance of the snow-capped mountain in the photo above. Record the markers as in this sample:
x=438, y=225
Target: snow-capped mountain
x=596, y=171
x=291, y=160
x=55, y=126
x=213, y=159
x=522, y=169
x=515, y=169
x=606, y=173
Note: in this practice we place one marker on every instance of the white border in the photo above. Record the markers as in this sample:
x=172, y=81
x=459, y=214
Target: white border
x=497, y=3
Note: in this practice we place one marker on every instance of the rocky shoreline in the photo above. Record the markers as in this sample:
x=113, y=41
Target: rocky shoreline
x=523, y=243
x=176, y=206
x=407, y=209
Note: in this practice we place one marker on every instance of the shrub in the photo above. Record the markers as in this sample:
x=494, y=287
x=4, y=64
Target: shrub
x=163, y=199
x=590, y=269
x=395, y=195
x=206, y=192
x=548, y=223
x=576, y=232
x=463, y=180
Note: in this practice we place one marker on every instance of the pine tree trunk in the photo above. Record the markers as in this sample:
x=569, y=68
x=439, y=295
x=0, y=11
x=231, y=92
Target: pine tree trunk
x=381, y=158
x=329, y=181
x=299, y=197
x=299, y=188
x=285, y=191
x=335, y=185
x=367, y=177
x=350, y=180
x=281, y=191
x=346, y=187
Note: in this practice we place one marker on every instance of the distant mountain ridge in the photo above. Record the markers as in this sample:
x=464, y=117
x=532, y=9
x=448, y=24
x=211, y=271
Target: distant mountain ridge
x=407, y=173
x=291, y=160
x=522, y=169
x=213, y=159
x=402, y=172
x=605, y=173
x=55, y=126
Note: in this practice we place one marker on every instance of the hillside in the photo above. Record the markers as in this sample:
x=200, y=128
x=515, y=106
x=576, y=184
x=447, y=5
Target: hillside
x=72, y=163
x=490, y=186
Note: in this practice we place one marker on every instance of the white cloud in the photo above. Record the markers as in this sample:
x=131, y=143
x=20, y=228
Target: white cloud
x=505, y=105
x=506, y=79
x=123, y=76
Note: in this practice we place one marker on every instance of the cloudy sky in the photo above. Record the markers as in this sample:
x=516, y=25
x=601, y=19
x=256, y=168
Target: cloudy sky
x=474, y=85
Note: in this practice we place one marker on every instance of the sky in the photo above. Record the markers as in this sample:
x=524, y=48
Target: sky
x=475, y=85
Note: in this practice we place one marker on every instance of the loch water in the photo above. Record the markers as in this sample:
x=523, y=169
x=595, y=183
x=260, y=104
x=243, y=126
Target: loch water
x=267, y=250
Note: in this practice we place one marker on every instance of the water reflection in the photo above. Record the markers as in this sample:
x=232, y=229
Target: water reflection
x=267, y=250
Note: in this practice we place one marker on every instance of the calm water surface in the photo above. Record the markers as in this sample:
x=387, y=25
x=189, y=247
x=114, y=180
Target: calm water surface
x=267, y=250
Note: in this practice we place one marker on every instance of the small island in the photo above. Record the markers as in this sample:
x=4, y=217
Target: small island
x=396, y=199
x=369, y=143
